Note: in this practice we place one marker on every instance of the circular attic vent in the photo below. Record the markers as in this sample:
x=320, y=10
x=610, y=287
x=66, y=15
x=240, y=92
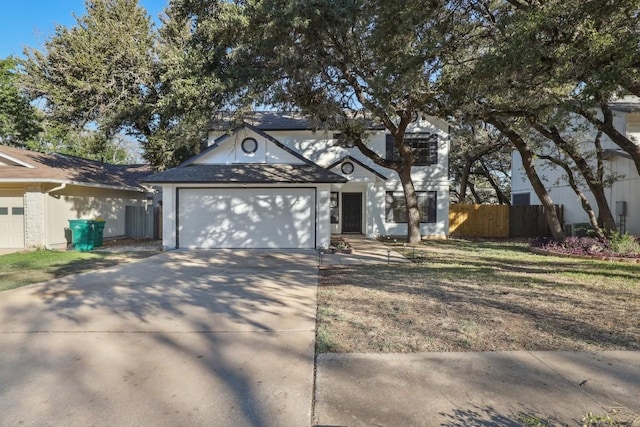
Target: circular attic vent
x=249, y=145
x=347, y=168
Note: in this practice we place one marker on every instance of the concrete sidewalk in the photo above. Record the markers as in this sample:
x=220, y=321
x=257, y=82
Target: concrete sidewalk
x=365, y=252
x=475, y=389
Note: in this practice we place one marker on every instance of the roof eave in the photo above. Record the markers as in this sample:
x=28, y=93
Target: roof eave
x=68, y=182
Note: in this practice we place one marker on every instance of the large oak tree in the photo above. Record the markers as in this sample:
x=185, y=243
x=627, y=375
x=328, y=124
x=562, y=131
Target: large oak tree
x=343, y=63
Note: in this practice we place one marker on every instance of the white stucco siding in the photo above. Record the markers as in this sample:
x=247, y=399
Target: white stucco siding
x=169, y=216
x=323, y=221
x=321, y=148
x=626, y=185
x=229, y=151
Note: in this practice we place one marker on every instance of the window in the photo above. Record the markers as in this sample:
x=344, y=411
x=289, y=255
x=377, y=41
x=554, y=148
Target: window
x=4, y=211
x=396, y=208
x=522, y=199
x=425, y=148
x=17, y=211
x=334, y=208
x=347, y=168
x=249, y=145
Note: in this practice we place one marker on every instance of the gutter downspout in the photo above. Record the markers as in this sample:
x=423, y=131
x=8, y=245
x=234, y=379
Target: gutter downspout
x=58, y=188
x=44, y=228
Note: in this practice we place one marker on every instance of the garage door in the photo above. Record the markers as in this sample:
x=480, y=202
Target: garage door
x=11, y=221
x=246, y=218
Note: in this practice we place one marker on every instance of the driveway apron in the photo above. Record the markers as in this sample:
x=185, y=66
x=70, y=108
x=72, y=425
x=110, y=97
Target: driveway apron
x=181, y=338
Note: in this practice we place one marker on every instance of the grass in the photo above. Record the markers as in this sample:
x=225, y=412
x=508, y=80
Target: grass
x=24, y=268
x=480, y=296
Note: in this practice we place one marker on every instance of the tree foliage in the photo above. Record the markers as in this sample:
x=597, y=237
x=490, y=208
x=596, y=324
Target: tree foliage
x=19, y=120
x=480, y=164
x=343, y=63
x=97, y=71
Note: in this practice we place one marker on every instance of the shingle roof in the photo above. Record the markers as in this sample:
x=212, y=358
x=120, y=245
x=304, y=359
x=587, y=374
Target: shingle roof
x=254, y=173
x=625, y=107
x=40, y=167
x=272, y=120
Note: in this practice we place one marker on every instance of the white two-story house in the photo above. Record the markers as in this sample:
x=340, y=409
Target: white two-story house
x=623, y=195
x=274, y=181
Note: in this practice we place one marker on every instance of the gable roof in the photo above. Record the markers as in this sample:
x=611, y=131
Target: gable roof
x=263, y=134
x=273, y=121
x=358, y=162
x=32, y=166
x=246, y=173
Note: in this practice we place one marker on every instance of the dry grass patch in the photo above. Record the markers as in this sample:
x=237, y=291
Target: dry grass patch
x=480, y=296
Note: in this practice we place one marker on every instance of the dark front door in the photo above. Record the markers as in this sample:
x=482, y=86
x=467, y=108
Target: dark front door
x=352, y=212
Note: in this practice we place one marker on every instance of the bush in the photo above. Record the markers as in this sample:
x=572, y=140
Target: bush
x=617, y=246
x=625, y=244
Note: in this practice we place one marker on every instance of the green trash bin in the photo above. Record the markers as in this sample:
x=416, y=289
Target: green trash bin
x=81, y=234
x=98, y=233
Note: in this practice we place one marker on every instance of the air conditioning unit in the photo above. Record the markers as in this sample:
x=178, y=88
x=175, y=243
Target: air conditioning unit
x=568, y=230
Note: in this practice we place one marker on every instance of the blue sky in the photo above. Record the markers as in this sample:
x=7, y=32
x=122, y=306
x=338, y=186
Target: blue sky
x=31, y=22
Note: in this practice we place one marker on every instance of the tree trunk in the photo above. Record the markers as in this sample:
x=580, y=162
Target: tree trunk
x=503, y=199
x=464, y=180
x=593, y=219
x=594, y=181
x=413, y=213
x=474, y=193
x=527, y=162
x=403, y=168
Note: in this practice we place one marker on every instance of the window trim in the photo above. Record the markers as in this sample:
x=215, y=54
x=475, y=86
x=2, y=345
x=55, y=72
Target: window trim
x=432, y=146
x=428, y=211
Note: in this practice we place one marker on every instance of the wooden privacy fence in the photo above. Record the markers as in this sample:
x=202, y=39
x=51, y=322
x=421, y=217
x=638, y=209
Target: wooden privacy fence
x=479, y=220
x=499, y=221
x=529, y=221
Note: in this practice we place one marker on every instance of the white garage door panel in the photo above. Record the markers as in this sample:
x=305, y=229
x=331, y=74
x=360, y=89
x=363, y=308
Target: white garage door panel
x=11, y=222
x=246, y=218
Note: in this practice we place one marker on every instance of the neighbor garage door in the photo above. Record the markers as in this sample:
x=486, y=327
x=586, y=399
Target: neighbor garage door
x=11, y=220
x=246, y=218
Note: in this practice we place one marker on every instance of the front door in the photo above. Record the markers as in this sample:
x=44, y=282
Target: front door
x=352, y=212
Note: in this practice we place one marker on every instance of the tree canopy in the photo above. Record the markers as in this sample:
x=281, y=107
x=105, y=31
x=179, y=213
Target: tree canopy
x=343, y=63
x=19, y=120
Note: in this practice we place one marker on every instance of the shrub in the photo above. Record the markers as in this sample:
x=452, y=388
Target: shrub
x=624, y=244
x=616, y=246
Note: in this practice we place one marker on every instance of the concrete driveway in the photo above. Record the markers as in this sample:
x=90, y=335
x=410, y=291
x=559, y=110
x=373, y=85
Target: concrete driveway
x=181, y=338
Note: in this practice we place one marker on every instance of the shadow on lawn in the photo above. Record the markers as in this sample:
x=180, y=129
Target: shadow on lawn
x=585, y=312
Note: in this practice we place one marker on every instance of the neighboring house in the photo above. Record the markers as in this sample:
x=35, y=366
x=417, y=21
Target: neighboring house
x=623, y=195
x=39, y=193
x=276, y=182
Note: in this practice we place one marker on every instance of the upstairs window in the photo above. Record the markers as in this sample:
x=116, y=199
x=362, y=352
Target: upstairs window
x=424, y=145
x=396, y=207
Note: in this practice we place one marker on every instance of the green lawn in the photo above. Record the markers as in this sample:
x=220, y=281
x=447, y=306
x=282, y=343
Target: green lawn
x=23, y=268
